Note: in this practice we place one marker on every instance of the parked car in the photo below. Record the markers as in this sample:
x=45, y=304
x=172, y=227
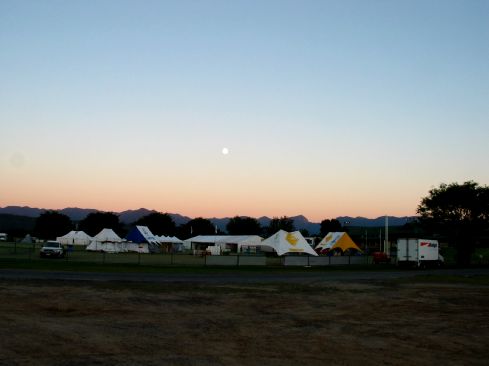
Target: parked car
x=52, y=249
x=381, y=257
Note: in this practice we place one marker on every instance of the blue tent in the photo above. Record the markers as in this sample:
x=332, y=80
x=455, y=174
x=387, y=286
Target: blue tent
x=142, y=234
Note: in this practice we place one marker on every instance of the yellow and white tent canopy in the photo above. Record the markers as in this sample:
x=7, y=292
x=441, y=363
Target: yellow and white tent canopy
x=284, y=242
x=335, y=240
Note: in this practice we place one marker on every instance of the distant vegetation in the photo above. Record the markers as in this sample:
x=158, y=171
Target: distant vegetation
x=455, y=214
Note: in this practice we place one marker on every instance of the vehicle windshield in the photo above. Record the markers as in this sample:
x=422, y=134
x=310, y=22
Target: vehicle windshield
x=52, y=245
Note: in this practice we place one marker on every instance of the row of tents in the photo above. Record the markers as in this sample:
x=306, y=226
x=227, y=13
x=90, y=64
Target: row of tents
x=282, y=242
x=141, y=239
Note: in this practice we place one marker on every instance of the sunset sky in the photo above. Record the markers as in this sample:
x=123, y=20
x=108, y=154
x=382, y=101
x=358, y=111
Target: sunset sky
x=328, y=108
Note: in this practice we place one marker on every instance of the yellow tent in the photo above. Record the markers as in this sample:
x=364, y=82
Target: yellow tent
x=333, y=240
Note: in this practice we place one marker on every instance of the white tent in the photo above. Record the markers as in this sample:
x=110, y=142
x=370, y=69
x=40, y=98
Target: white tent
x=284, y=242
x=223, y=241
x=27, y=239
x=172, y=243
x=107, y=241
x=176, y=240
x=75, y=238
x=165, y=239
x=137, y=247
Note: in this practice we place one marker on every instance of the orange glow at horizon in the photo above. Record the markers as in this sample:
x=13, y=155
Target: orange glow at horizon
x=212, y=203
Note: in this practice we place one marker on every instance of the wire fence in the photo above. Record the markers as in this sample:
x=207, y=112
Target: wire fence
x=31, y=252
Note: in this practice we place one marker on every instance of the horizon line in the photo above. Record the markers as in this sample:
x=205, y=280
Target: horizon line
x=214, y=217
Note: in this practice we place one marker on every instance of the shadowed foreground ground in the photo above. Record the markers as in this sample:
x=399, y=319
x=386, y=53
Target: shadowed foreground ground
x=400, y=322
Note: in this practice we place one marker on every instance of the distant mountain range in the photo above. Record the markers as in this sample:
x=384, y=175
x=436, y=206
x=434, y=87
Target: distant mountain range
x=130, y=216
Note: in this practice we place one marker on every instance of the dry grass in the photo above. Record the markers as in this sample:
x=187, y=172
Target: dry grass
x=335, y=324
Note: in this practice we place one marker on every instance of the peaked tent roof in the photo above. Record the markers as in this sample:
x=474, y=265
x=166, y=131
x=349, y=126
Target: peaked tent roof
x=176, y=240
x=142, y=234
x=75, y=238
x=107, y=235
x=284, y=242
x=335, y=240
x=169, y=239
x=165, y=239
x=240, y=240
x=27, y=239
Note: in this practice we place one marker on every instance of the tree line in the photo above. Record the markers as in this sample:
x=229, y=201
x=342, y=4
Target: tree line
x=52, y=224
x=454, y=213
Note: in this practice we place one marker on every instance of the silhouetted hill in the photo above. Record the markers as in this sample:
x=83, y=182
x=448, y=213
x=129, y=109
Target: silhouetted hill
x=377, y=222
x=129, y=216
x=300, y=223
x=22, y=211
x=221, y=223
x=77, y=214
x=180, y=219
x=264, y=221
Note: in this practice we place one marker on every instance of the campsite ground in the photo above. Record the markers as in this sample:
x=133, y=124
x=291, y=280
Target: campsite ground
x=423, y=320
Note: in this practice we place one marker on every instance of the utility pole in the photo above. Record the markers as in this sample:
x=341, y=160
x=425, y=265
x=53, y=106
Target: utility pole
x=386, y=247
x=380, y=240
x=366, y=241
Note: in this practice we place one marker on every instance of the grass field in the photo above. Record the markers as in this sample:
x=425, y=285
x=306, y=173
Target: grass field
x=423, y=321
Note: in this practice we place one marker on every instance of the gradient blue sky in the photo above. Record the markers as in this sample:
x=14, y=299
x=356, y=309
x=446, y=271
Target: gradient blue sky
x=328, y=108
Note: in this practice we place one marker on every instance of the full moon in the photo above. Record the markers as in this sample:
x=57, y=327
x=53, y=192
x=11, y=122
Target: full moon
x=225, y=151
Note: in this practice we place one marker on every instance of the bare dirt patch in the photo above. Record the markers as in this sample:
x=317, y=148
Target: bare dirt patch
x=173, y=324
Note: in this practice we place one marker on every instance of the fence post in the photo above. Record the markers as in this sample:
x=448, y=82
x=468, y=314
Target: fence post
x=237, y=261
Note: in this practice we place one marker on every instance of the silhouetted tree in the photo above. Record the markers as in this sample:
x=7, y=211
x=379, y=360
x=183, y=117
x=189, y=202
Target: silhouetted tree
x=159, y=223
x=51, y=224
x=243, y=226
x=327, y=226
x=280, y=223
x=411, y=229
x=96, y=221
x=458, y=211
x=197, y=226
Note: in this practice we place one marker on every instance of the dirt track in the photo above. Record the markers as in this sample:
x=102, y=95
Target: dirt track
x=67, y=323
